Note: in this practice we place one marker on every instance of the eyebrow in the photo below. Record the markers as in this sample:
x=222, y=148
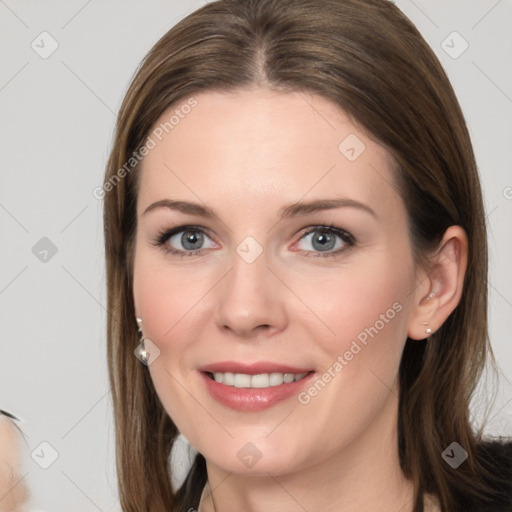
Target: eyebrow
x=292, y=210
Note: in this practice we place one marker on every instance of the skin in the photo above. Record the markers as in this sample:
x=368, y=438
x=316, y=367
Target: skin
x=245, y=156
x=13, y=493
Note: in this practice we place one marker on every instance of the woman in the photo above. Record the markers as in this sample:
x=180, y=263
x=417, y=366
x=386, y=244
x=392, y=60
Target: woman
x=13, y=492
x=294, y=229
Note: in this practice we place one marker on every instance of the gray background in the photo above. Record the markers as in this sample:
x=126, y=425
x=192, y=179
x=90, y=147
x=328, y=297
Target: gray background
x=57, y=119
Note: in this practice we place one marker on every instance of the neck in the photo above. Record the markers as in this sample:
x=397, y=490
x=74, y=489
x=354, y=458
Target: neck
x=364, y=475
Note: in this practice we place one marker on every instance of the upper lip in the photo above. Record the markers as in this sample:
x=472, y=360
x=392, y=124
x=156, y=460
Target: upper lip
x=251, y=368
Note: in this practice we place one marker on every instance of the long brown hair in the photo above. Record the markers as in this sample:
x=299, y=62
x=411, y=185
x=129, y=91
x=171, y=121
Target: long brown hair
x=368, y=58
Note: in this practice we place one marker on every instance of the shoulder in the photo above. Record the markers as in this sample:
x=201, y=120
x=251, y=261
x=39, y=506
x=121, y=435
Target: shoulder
x=8, y=425
x=13, y=493
x=7, y=415
x=8, y=428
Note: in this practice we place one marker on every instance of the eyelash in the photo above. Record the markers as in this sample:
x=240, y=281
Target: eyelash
x=164, y=235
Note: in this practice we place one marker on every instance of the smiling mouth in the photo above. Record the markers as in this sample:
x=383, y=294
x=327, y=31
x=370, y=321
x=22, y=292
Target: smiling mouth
x=260, y=381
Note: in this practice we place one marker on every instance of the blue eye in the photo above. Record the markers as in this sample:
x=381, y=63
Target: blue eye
x=324, y=240
x=192, y=239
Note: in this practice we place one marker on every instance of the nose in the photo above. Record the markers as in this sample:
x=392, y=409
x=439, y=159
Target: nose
x=251, y=299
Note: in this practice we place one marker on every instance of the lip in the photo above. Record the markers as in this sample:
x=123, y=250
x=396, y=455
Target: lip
x=251, y=368
x=253, y=399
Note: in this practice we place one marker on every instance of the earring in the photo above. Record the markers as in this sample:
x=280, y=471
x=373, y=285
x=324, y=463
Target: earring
x=140, y=352
x=428, y=330
x=431, y=296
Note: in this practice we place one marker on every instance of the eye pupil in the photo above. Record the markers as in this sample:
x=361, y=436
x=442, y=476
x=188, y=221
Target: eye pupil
x=325, y=240
x=192, y=238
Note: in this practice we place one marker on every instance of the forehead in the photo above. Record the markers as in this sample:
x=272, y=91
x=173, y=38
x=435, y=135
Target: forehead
x=247, y=147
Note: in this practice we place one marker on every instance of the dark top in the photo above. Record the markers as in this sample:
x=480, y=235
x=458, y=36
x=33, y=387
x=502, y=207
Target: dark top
x=496, y=456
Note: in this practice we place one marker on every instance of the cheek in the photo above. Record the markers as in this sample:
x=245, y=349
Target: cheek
x=365, y=301
x=367, y=317
x=167, y=297
x=171, y=303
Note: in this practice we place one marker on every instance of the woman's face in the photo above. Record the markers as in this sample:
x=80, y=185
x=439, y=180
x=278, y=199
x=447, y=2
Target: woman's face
x=256, y=287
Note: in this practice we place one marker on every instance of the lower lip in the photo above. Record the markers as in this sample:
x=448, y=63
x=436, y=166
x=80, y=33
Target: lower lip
x=253, y=399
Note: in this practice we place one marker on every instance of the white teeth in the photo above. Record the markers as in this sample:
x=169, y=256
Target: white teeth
x=242, y=380
x=262, y=380
x=276, y=379
x=288, y=377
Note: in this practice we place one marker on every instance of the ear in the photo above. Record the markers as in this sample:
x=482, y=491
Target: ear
x=440, y=288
